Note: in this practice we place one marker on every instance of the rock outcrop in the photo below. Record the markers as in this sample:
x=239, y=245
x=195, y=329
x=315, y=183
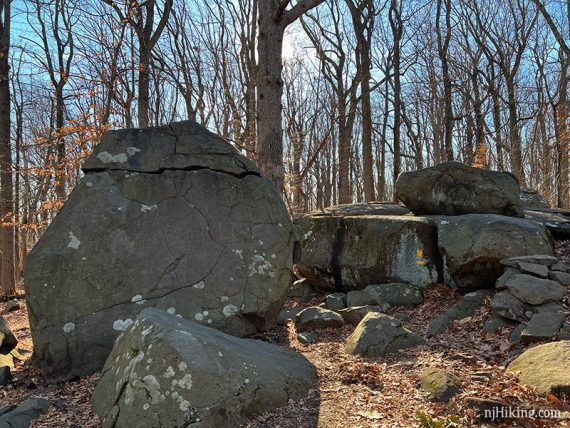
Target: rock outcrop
x=343, y=253
x=453, y=188
x=531, y=198
x=545, y=367
x=473, y=245
x=171, y=217
x=170, y=372
x=557, y=221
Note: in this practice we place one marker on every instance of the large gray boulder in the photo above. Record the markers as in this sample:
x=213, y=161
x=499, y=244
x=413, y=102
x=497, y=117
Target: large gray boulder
x=531, y=198
x=343, y=253
x=453, y=188
x=169, y=372
x=171, y=217
x=473, y=245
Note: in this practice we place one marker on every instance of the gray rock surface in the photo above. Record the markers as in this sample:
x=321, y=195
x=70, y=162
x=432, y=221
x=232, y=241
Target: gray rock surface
x=8, y=340
x=12, y=306
x=439, y=385
x=306, y=337
x=560, y=277
x=472, y=246
x=363, y=208
x=166, y=371
x=344, y=253
x=508, y=273
x=508, y=306
x=316, y=318
x=495, y=322
x=22, y=415
x=335, y=301
x=515, y=336
x=453, y=188
x=386, y=295
x=555, y=220
x=380, y=334
x=466, y=307
x=535, y=291
x=540, y=259
x=170, y=217
x=531, y=198
x=534, y=269
x=542, y=327
x=5, y=375
x=301, y=288
x=354, y=315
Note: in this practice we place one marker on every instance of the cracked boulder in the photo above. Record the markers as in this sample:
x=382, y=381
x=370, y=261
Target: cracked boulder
x=453, y=188
x=170, y=217
x=473, y=245
x=344, y=253
x=169, y=372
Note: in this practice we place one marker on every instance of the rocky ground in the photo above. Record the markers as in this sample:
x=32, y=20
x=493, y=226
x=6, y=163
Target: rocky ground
x=353, y=392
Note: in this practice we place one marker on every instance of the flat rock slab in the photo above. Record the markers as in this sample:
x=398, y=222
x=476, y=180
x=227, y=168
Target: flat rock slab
x=439, y=385
x=354, y=315
x=316, y=318
x=545, y=367
x=509, y=307
x=380, y=334
x=22, y=415
x=542, y=327
x=166, y=371
x=170, y=217
x=555, y=220
x=535, y=291
x=363, y=208
x=466, y=307
x=453, y=188
x=560, y=277
x=538, y=270
x=344, y=253
x=473, y=246
x=386, y=295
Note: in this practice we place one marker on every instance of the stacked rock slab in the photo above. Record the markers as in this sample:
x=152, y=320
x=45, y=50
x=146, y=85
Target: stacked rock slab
x=453, y=188
x=343, y=253
x=169, y=372
x=171, y=217
x=531, y=292
x=473, y=245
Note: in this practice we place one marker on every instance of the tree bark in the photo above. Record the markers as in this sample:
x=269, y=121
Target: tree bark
x=6, y=183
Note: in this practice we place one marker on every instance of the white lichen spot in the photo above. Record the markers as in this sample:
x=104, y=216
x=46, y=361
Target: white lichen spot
x=107, y=157
x=220, y=354
x=73, y=241
x=89, y=184
x=230, y=310
x=146, y=208
x=169, y=372
x=239, y=253
x=210, y=321
x=261, y=266
x=171, y=311
x=200, y=285
x=69, y=327
x=443, y=222
x=131, y=151
x=224, y=299
x=184, y=405
x=146, y=406
x=138, y=299
x=121, y=325
x=199, y=316
x=246, y=381
x=182, y=366
x=186, y=381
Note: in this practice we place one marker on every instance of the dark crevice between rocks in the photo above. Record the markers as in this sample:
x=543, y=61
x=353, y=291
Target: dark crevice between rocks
x=188, y=169
x=337, y=250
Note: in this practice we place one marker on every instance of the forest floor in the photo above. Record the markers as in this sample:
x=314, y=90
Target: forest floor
x=353, y=392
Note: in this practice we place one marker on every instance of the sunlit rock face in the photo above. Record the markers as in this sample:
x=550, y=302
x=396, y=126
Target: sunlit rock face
x=170, y=217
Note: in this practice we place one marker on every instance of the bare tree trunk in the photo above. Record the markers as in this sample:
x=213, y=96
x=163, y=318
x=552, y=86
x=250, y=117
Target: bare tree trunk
x=443, y=47
x=397, y=31
x=273, y=20
x=6, y=191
